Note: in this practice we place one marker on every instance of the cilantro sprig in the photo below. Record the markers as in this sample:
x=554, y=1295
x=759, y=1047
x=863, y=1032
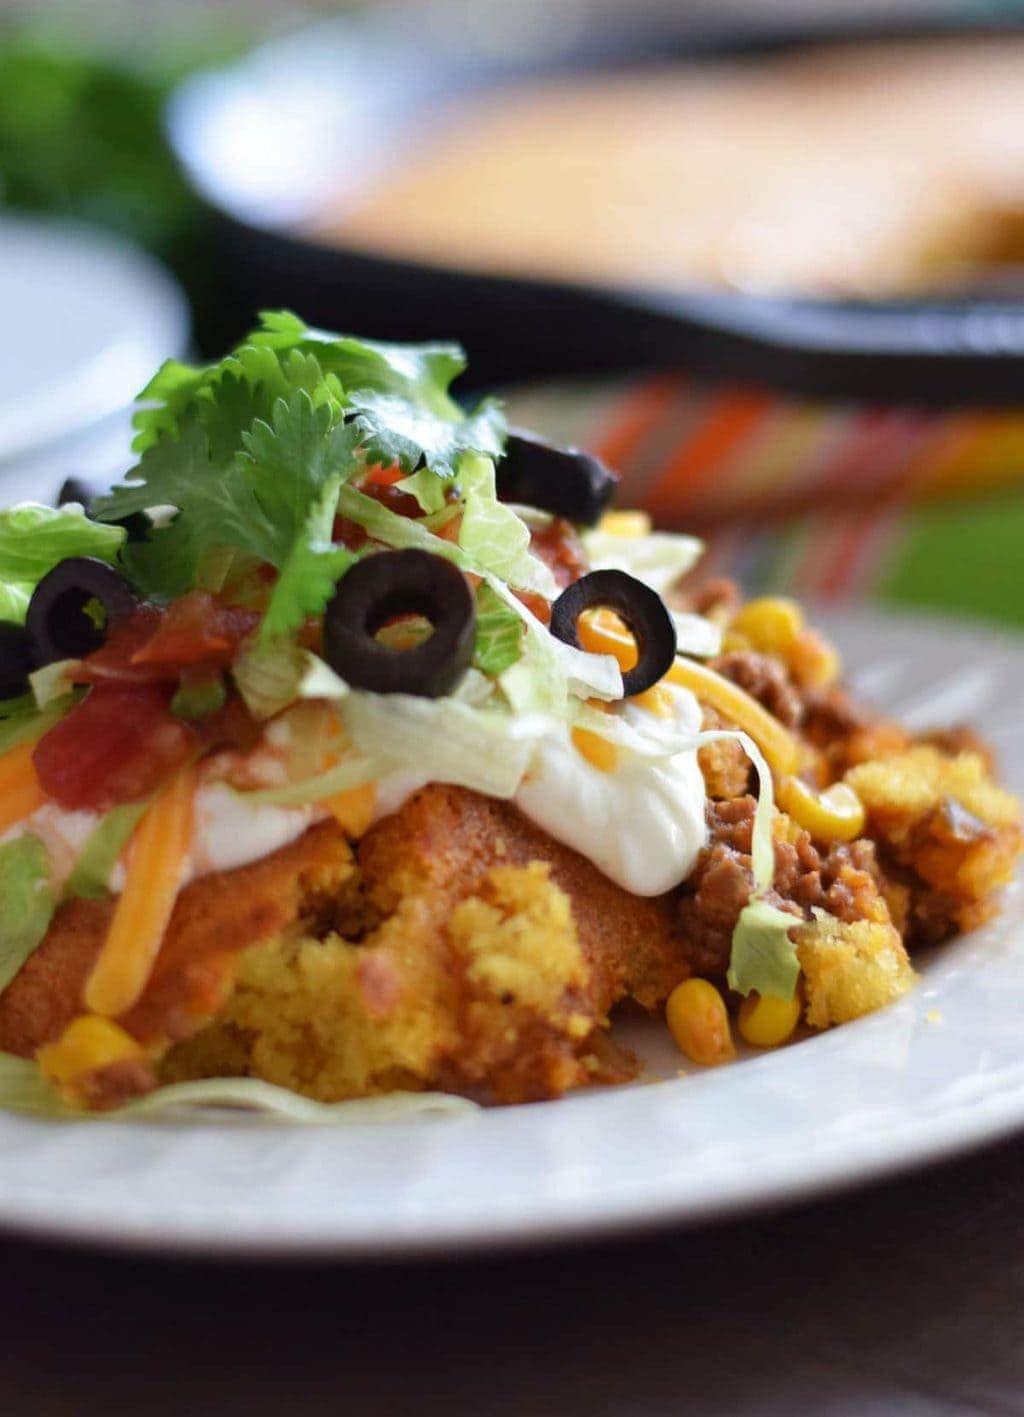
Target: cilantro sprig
x=251, y=455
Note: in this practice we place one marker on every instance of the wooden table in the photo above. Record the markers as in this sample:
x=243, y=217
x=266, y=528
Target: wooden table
x=908, y=1298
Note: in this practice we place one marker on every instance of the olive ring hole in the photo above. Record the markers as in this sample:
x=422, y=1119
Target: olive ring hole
x=378, y=594
x=642, y=610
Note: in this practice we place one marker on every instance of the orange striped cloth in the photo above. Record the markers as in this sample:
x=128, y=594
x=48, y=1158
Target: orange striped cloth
x=831, y=501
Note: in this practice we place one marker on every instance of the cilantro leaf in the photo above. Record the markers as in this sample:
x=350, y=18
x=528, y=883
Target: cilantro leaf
x=763, y=956
x=420, y=373
x=499, y=633
x=397, y=431
x=216, y=507
x=28, y=899
x=252, y=453
x=311, y=570
x=271, y=500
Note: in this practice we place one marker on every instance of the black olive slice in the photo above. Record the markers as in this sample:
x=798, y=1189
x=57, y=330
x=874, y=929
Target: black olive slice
x=66, y=605
x=563, y=481
x=75, y=489
x=383, y=587
x=15, y=660
x=643, y=611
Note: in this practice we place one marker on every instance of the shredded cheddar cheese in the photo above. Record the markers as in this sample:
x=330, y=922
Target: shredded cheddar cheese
x=20, y=793
x=158, y=854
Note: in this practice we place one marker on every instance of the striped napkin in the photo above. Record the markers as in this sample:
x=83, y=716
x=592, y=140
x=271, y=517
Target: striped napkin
x=830, y=502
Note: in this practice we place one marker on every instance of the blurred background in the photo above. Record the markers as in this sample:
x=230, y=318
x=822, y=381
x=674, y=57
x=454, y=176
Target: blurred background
x=767, y=259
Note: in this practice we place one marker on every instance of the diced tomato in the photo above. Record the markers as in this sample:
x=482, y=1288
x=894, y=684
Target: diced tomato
x=121, y=742
x=153, y=646
x=233, y=726
x=559, y=548
x=379, y=476
x=349, y=533
x=112, y=662
x=197, y=629
x=535, y=603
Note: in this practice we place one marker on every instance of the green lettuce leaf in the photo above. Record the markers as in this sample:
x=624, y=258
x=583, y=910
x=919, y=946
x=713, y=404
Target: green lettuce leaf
x=91, y=874
x=24, y=1089
x=271, y=676
x=33, y=538
x=499, y=633
x=495, y=538
x=28, y=901
x=763, y=956
x=659, y=559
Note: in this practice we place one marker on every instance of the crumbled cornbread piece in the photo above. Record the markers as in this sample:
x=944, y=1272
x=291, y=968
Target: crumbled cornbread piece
x=945, y=822
x=850, y=969
x=519, y=938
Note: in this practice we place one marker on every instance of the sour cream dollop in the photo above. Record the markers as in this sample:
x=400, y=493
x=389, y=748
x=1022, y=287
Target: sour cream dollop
x=642, y=823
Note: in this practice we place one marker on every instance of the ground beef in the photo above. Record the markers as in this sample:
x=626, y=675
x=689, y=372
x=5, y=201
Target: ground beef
x=846, y=732
x=765, y=679
x=718, y=598
x=846, y=882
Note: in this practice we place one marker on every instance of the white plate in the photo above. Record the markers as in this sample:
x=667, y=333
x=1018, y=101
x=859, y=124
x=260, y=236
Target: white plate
x=116, y=314
x=941, y=1071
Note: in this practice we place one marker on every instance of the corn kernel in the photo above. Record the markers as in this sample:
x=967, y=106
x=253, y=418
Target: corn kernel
x=735, y=643
x=625, y=523
x=766, y=1021
x=771, y=624
x=813, y=662
x=602, y=632
x=834, y=815
x=597, y=750
x=86, y=1045
x=697, y=1019
x=656, y=700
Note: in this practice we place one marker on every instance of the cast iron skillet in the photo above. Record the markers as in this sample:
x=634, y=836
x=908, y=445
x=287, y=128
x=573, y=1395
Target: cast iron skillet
x=259, y=141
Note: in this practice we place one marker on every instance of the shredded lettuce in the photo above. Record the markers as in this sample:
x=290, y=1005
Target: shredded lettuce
x=90, y=877
x=23, y=1088
x=14, y=599
x=354, y=770
x=499, y=633
x=493, y=536
x=659, y=559
x=427, y=487
x=696, y=635
x=548, y=670
x=763, y=957
x=484, y=749
x=28, y=901
x=270, y=677
x=53, y=681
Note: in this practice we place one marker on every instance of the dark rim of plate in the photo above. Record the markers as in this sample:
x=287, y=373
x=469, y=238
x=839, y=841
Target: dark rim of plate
x=962, y=349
